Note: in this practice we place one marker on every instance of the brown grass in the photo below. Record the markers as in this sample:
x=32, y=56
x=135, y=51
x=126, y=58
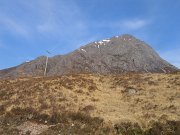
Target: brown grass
x=142, y=99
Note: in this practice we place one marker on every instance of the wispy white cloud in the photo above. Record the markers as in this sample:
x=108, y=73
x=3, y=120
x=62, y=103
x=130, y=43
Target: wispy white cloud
x=124, y=24
x=14, y=26
x=61, y=18
x=51, y=18
x=46, y=27
x=47, y=14
x=134, y=24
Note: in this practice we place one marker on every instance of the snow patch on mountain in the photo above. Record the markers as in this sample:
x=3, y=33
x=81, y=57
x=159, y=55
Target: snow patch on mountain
x=83, y=50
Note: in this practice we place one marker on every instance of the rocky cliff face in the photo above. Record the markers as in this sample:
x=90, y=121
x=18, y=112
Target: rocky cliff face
x=115, y=55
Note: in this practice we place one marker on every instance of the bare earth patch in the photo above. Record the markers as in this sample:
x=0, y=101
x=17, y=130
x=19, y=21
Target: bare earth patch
x=32, y=128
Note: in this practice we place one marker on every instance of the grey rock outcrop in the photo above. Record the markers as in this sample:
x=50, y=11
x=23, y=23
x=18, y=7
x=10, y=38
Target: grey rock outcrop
x=115, y=55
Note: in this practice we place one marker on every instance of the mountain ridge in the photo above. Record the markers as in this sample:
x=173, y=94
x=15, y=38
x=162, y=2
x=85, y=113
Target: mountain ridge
x=118, y=54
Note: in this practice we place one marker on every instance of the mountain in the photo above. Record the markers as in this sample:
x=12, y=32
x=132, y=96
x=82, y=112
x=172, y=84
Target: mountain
x=118, y=54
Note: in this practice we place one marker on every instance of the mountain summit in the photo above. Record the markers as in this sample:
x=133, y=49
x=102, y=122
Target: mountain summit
x=118, y=54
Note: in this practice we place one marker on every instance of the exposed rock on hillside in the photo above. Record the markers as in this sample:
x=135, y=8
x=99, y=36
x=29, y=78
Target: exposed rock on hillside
x=115, y=55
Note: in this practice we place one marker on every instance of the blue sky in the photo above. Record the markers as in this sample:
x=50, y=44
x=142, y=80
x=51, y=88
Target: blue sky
x=30, y=27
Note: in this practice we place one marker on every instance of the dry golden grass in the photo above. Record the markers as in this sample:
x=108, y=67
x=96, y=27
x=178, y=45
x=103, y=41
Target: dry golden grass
x=137, y=98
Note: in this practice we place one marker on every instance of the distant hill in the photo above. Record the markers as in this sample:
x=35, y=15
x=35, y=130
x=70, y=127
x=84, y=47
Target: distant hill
x=118, y=54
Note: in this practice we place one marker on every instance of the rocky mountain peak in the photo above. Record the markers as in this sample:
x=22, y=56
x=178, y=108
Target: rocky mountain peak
x=114, y=55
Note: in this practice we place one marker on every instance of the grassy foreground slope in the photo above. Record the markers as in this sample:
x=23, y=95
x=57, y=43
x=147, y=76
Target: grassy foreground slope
x=127, y=104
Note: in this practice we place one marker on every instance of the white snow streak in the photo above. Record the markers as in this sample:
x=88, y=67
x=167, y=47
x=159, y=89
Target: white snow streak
x=100, y=42
x=103, y=42
x=83, y=50
x=106, y=40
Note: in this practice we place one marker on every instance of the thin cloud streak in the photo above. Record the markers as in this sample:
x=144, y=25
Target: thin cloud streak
x=131, y=24
x=135, y=24
x=60, y=19
x=53, y=19
x=13, y=26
